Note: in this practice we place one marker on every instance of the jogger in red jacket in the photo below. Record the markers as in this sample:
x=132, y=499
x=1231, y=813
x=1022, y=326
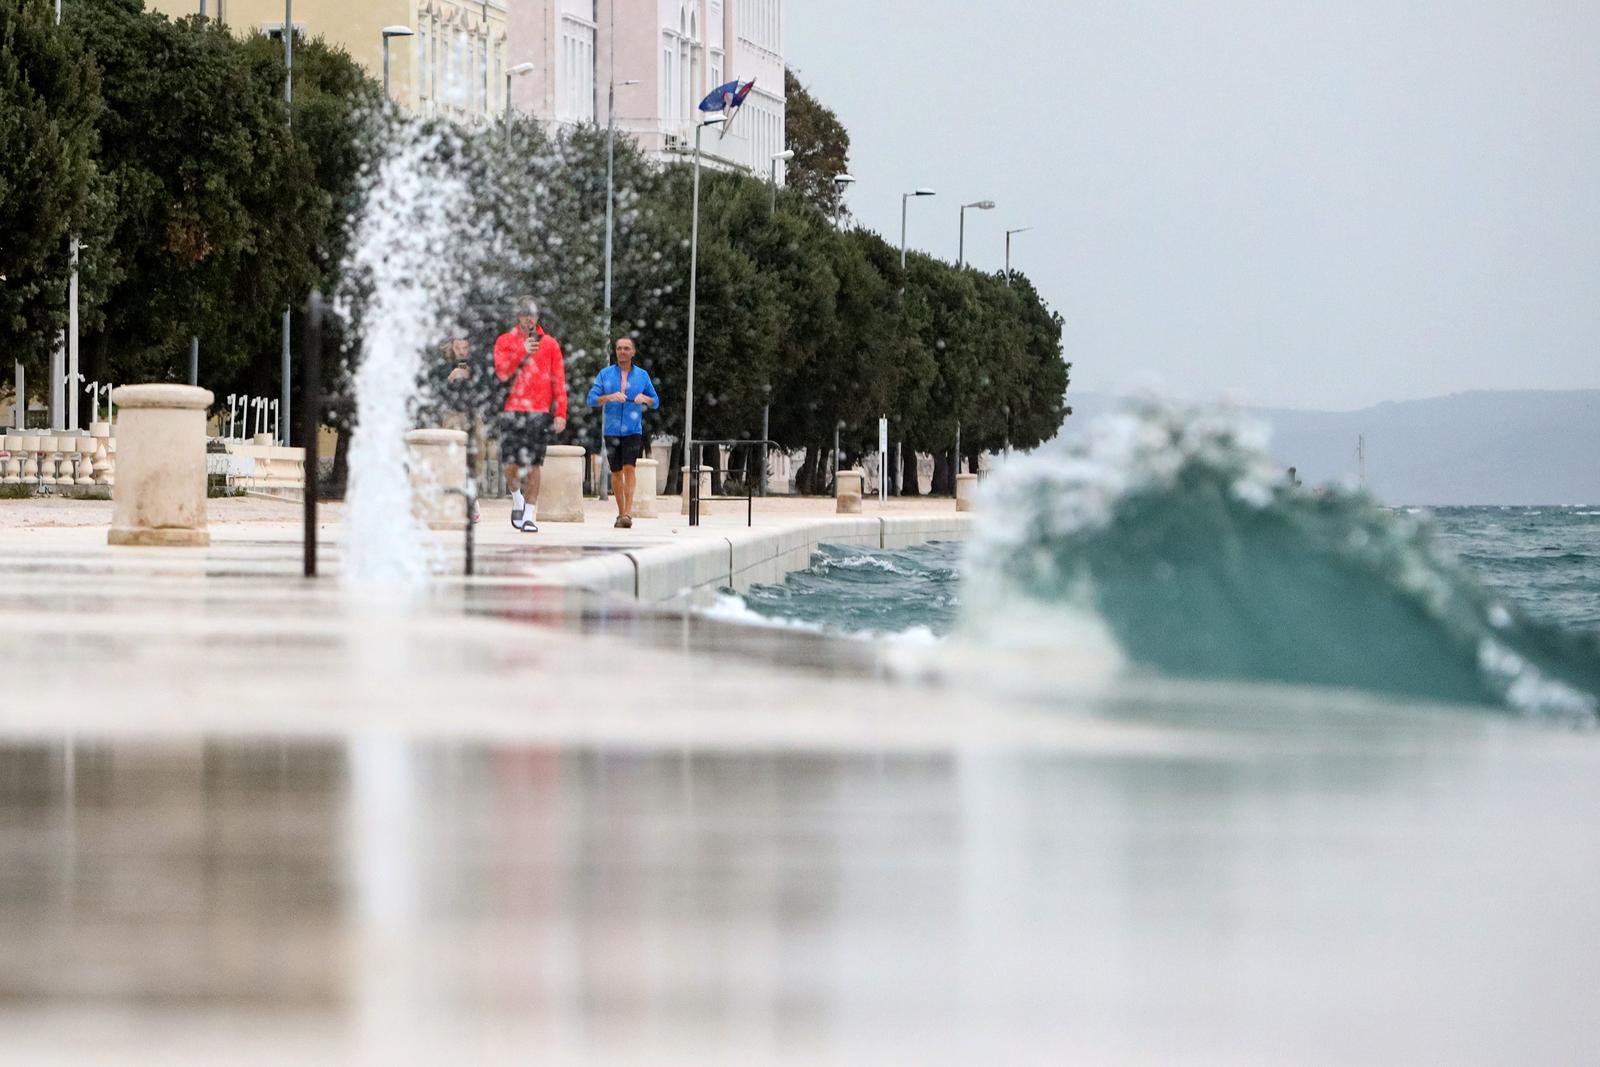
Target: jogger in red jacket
x=531, y=361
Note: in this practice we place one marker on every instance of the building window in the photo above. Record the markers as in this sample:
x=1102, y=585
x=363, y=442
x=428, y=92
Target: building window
x=575, y=75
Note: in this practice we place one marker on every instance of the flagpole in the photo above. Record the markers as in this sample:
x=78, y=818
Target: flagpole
x=694, y=264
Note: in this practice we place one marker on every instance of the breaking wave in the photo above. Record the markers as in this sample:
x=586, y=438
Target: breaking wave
x=1169, y=530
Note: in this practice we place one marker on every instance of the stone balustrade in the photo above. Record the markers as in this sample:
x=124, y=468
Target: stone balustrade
x=59, y=461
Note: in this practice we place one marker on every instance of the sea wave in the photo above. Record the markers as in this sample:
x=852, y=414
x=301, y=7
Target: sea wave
x=1169, y=530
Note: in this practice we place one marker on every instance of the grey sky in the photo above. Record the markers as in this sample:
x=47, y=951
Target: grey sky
x=1305, y=204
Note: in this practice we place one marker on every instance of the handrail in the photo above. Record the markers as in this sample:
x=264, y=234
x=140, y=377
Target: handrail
x=691, y=457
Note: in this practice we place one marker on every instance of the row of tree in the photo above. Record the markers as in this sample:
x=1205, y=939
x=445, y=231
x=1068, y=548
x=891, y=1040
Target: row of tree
x=167, y=148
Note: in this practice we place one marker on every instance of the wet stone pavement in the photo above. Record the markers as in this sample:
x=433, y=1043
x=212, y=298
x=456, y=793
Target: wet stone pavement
x=247, y=819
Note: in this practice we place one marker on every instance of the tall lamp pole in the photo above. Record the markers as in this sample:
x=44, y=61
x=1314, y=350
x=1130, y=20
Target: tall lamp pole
x=904, y=199
x=694, y=264
x=611, y=211
x=961, y=247
x=515, y=72
x=1021, y=229
x=778, y=157
x=611, y=165
x=840, y=183
x=286, y=374
x=388, y=32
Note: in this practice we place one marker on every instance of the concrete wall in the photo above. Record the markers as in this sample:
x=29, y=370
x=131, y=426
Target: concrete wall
x=692, y=573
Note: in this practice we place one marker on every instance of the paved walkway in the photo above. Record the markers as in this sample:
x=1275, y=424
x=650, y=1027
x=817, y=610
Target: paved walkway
x=246, y=818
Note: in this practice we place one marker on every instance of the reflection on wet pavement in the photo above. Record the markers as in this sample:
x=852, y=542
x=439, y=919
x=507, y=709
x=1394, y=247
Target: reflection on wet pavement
x=389, y=901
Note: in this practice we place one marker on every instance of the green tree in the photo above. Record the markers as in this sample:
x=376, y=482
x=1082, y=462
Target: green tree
x=49, y=103
x=217, y=205
x=820, y=143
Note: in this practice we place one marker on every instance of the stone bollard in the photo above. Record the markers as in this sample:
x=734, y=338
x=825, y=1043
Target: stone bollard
x=705, y=490
x=437, y=460
x=847, y=492
x=160, y=495
x=966, y=486
x=644, y=489
x=561, y=487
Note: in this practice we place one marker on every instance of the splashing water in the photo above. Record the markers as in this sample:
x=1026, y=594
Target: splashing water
x=1171, y=532
x=405, y=252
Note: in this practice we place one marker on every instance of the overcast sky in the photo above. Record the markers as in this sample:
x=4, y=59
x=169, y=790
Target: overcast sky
x=1312, y=204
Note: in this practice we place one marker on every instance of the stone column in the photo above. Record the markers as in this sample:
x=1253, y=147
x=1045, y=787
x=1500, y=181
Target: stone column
x=966, y=486
x=561, y=488
x=847, y=492
x=160, y=495
x=437, y=460
x=644, y=489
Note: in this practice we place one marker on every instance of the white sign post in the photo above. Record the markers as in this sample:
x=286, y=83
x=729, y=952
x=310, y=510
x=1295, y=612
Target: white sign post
x=883, y=461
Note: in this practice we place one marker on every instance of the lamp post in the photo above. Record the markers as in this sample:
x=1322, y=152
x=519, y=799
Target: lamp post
x=515, y=72
x=286, y=372
x=388, y=32
x=961, y=247
x=840, y=183
x=611, y=210
x=694, y=263
x=904, y=199
x=611, y=168
x=778, y=157
x=1021, y=229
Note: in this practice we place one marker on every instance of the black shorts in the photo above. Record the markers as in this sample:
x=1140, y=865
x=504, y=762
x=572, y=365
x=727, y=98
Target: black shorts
x=624, y=451
x=524, y=435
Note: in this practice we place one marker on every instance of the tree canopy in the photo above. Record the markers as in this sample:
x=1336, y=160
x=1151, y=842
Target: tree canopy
x=166, y=145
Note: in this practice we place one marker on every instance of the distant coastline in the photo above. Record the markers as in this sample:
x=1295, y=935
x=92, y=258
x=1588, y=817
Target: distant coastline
x=1485, y=447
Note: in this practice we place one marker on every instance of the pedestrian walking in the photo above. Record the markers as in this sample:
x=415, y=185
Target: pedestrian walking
x=529, y=364
x=623, y=391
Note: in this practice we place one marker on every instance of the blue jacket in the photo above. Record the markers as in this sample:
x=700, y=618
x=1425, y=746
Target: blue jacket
x=623, y=420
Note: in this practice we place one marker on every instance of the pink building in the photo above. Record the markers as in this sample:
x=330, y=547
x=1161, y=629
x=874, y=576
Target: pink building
x=677, y=51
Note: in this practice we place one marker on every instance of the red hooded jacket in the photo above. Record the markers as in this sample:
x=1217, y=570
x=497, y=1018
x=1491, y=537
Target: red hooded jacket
x=542, y=382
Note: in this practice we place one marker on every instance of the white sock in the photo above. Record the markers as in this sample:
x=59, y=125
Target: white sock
x=516, y=500
x=533, y=512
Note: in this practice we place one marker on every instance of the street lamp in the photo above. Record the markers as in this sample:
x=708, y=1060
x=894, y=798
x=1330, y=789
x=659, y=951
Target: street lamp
x=840, y=182
x=611, y=178
x=516, y=71
x=961, y=248
x=1022, y=229
x=778, y=157
x=694, y=263
x=904, y=199
x=388, y=32
x=611, y=202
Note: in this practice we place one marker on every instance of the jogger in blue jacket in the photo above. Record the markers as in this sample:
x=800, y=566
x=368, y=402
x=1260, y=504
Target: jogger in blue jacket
x=622, y=392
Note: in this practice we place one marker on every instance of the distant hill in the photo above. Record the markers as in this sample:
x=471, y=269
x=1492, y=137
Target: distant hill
x=1511, y=447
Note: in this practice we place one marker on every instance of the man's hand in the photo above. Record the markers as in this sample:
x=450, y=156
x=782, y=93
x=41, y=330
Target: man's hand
x=642, y=398
x=559, y=425
x=460, y=374
x=531, y=345
x=618, y=397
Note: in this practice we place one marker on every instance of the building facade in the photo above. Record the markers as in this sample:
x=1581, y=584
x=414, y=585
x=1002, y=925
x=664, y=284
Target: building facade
x=676, y=51
x=454, y=64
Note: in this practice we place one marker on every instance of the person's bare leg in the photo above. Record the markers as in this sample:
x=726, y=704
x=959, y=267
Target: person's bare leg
x=628, y=474
x=619, y=489
x=530, y=485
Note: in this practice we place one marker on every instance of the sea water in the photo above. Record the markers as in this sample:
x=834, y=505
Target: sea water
x=1171, y=542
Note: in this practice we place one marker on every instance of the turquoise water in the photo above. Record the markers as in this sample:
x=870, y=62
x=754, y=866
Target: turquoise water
x=1542, y=562
x=1168, y=544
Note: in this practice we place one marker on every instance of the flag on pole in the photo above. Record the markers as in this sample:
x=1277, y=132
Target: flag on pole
x=728, y=97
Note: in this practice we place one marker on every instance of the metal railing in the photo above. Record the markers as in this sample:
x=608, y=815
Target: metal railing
x=695, y=469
